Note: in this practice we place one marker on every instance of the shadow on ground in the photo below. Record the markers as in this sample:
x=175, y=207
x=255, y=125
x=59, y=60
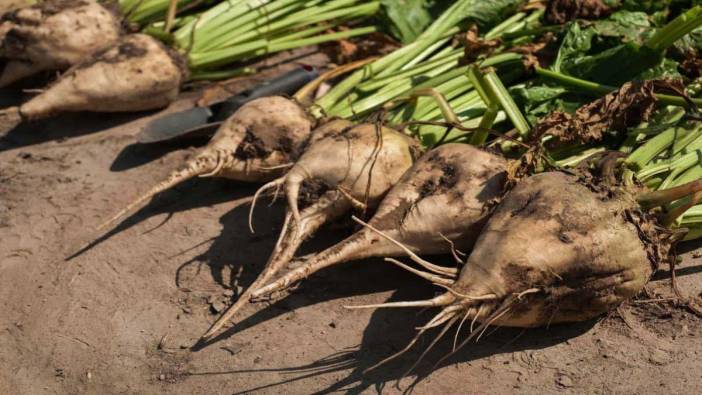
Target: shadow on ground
x=236, y=236
x=135, y=155
x=388, y=331
x=64, y=126
x=199, y=192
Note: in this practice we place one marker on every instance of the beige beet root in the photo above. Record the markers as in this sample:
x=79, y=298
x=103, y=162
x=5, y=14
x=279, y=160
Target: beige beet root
x=364, y=162
x=137, y=74
x=441, y=202
x=11, y=5
x=55, y=35
x=357, y=165
x=556, y=236
x=554, y=251
x=254, y=145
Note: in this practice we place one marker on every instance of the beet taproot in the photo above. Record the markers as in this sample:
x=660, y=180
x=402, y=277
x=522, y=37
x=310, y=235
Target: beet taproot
x=427, y=210
x=137, y=74
x=442, y=202
x=355, y=167
x=54, y=35
x=558, y=248
x=11, y=5
x=256, y=144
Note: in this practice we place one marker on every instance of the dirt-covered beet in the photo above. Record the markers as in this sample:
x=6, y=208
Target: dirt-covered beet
x=581, y=250
x=354, y=166
x=363, y=162
x=255, y=144
x=441, y=203
x=258, y=139
x=54, y=35
x=557, y=249
x=11, y=5
x=137, y=74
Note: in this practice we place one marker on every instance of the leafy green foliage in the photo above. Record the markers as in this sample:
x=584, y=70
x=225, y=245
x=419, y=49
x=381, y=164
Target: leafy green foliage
x=537, y=99
x=616, y=65
x=691, y=43
x=647, y=6
x=575, y=44
x=408, y=18
x=623, y=25
x=653, y=6
x=667, y=68
x=487, y=14
x=615, y=50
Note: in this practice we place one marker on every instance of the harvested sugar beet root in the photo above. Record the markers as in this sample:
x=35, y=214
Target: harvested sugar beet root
x=558, y=248
x=149, y=77
x=444, y=198
x=255, y=144
x=54, y=35
x=356, y=166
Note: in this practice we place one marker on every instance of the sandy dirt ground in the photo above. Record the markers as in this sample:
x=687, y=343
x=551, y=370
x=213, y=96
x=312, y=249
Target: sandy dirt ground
x=121, y=317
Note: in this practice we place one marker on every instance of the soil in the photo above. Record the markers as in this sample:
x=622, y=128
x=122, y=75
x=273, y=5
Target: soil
x=122, y=317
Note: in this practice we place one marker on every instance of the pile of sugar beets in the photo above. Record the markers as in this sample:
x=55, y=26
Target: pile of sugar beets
x=546, y=243
x=112, y=63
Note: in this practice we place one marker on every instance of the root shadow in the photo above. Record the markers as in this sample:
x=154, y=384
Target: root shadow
x=135, y=155
x=186, y=196
x=236, y=240
x=376, y=346
x=688, y=268
x=10, y=97
x=65, y=126
x=689, y=246
x=243, y=254
x=664, y=274
x=388, y=331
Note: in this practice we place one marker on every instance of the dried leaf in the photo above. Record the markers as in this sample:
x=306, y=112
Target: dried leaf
x=347, y=49
x=562, y=11
x=474, y=46
x=691, y=67
x=350, y=50
x=538, y=52
x=213, y=94
x=631, y=104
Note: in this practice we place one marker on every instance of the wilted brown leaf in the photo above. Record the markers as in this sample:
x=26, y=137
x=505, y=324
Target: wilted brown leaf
x=631, y=104
x=692, y=67
x=474, y=47
x=562, y=11
x=350, y=50
x=538, y=52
